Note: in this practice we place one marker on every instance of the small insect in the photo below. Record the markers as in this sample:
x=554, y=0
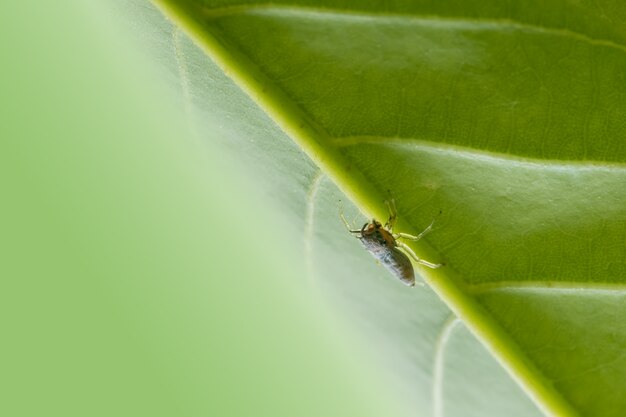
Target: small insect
x=383, y=244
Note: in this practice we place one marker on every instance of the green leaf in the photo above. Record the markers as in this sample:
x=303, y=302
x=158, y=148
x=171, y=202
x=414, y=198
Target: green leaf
x=506, y=117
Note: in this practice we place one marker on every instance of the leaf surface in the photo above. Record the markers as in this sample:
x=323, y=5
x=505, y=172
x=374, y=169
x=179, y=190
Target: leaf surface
x=509, y=119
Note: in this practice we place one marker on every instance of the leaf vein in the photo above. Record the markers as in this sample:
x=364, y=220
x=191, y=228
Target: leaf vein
x=473, y=153
x=447, y=22
x=309, y=221
x=547, y=286
x=438, y=371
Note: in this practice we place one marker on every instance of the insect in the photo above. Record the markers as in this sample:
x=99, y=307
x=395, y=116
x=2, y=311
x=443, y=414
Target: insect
x=383, y=244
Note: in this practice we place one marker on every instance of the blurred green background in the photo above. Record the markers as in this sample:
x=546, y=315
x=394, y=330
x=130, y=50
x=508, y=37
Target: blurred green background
x=140, y=274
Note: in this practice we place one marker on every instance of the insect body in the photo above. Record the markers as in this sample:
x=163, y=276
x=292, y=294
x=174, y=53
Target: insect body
x=382, y=243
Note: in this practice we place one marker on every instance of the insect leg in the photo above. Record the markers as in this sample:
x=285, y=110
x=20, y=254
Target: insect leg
x=393, y=214
x=418, y=237
x=346, y=223
x=412, y=254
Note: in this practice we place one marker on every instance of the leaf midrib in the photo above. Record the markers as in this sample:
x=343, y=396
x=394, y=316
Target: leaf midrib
x=316, y=143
